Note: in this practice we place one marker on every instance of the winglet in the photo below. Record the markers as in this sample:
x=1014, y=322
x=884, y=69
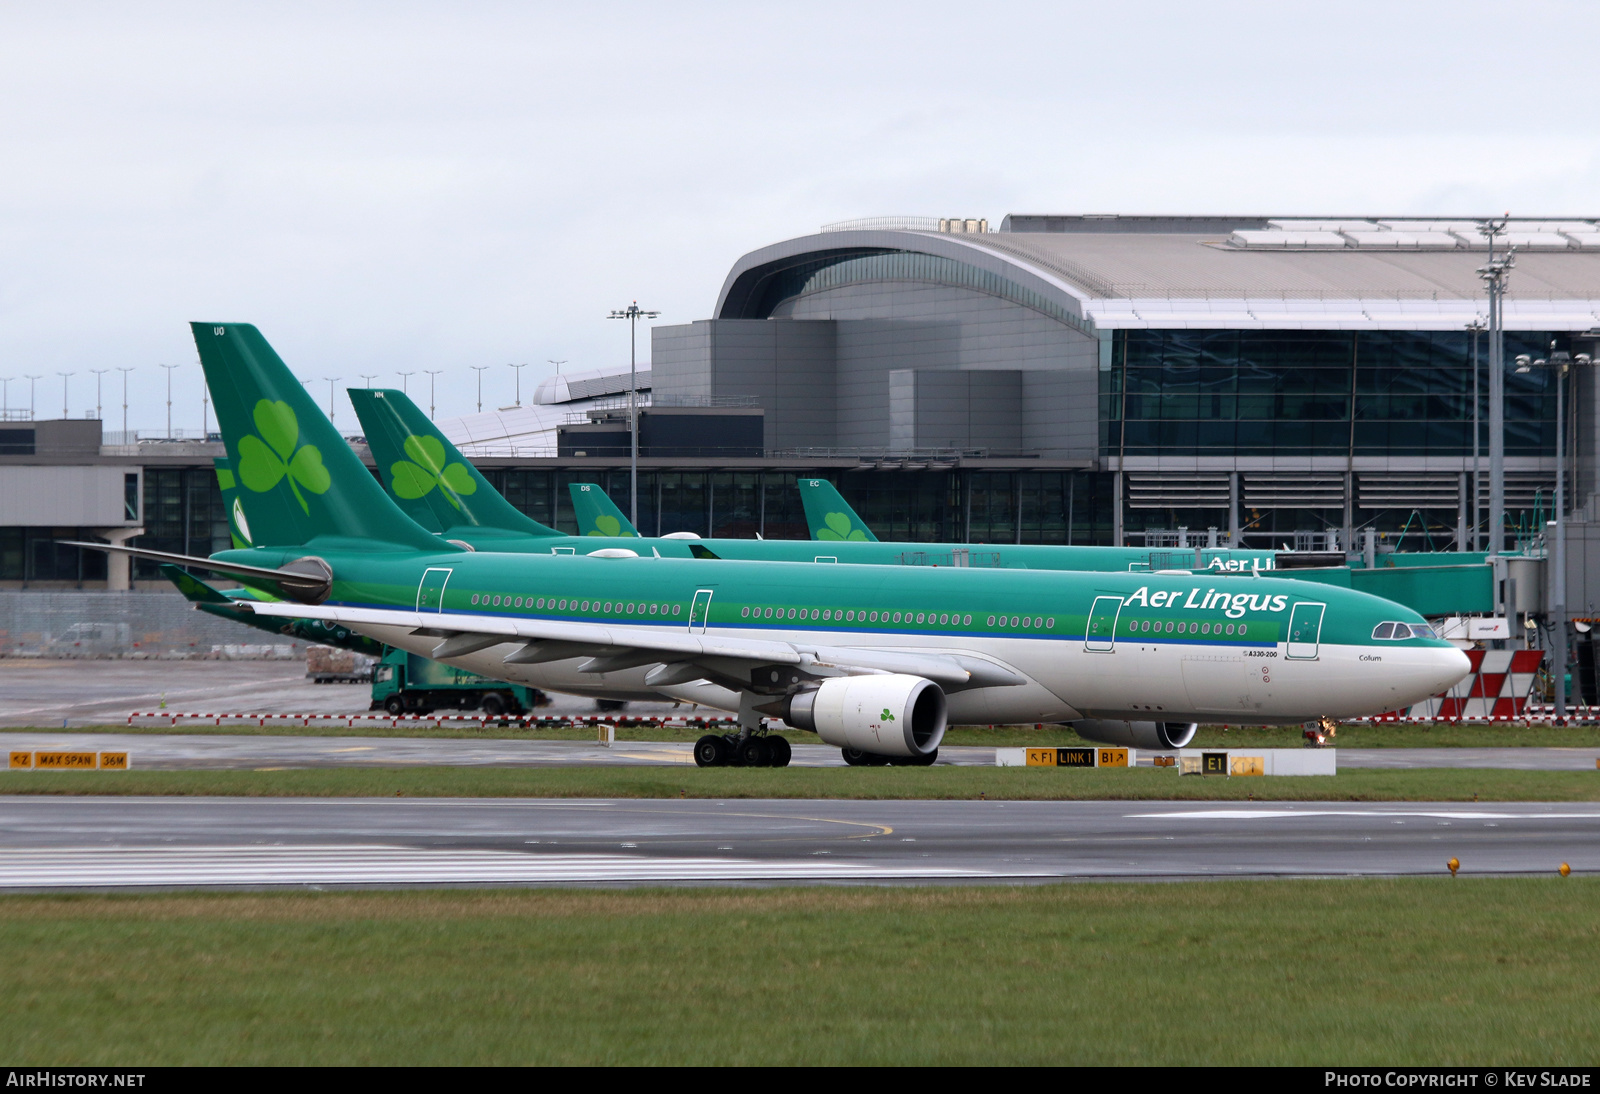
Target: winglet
x=597, y=514
x=829, y=516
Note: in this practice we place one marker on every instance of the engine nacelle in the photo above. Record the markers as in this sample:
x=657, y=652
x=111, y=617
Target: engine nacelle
x=891, y=715
x=1156, y=736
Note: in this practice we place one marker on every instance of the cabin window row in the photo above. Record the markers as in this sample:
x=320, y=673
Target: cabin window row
x=851, y=616
x=1146, y=626
x=553, y=604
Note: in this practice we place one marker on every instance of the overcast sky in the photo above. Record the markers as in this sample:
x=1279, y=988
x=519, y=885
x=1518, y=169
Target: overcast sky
x=402, y=187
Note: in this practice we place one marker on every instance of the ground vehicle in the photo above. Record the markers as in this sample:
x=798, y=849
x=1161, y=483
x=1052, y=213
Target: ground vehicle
x=406, y=683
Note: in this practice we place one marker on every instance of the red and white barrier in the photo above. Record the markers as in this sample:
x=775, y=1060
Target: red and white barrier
x=149, y=718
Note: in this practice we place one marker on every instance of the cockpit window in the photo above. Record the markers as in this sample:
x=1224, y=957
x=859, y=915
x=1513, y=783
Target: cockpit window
x=1400, y=631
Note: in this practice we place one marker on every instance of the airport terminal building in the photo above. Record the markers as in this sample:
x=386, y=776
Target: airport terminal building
x=1063, y=379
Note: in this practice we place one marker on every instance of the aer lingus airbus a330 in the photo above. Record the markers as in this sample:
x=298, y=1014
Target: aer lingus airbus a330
x=428, y=478
x=874, y=659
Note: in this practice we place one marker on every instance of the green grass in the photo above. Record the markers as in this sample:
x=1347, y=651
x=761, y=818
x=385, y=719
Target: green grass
x=1379, y=972
x=1443, y=735
x=1007, y=783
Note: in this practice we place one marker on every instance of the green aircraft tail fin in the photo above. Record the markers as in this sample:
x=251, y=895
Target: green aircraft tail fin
x=597, y=514
x=829, y=515
x=426, y=475
x=297, y=477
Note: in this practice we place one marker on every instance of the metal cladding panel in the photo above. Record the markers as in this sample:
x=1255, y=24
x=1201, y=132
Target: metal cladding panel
x=1583, y=569
x=63, y=496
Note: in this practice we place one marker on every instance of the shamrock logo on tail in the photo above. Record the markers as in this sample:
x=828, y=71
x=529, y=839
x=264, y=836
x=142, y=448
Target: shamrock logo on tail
x=429, y=467
x=278, y=454
x=607, y=525
x=838, y=527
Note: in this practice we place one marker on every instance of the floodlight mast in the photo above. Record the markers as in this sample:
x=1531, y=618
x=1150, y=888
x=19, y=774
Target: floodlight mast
x=518, y=372
x=479, y=370
x=633, y=313
x=1494, y=275
x=432, y=376
x=1560, y=362
x=1475, y=328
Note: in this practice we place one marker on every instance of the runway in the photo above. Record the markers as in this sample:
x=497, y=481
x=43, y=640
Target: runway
x=118, y=843
x=205, y=751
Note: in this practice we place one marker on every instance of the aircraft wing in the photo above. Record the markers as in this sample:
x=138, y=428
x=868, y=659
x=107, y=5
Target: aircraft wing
x=611, y=647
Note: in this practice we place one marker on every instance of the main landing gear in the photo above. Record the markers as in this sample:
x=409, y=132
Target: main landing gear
x=857, y=758
x=713, y=750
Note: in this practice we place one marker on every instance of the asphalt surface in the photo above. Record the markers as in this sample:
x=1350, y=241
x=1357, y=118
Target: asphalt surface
x=115, y=843
x=191, y=751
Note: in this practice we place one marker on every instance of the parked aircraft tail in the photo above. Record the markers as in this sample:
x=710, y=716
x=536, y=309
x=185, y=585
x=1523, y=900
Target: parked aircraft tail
x=829, y=516
x=426, y=476
x=297, y=479
x=597, y=514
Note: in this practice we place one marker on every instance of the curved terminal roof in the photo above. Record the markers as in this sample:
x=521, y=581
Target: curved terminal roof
x=1101, y=273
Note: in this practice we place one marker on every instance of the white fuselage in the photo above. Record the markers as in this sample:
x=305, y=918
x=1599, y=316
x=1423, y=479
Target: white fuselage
x=1065, y=680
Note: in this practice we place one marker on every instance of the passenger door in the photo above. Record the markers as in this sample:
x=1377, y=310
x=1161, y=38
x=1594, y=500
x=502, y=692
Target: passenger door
x=700, y=611
x=430, y=593
x=1305, y=630
x=1101, y=634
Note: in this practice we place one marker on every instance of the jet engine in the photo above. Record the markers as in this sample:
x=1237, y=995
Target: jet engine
x=889, y=715
x=1157, y=736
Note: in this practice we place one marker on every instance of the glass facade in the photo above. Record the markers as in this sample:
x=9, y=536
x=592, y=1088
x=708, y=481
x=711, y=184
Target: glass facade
x=183, y=513
x=1315, y=393
x=940, y=506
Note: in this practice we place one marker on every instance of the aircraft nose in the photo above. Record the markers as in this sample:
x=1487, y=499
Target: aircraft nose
x=1445, y=668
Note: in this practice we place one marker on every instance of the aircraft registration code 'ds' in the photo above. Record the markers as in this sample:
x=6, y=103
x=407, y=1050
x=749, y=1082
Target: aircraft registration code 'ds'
x=1113, y=757
x=21, y=759
x=113, y=761
x=64, y=761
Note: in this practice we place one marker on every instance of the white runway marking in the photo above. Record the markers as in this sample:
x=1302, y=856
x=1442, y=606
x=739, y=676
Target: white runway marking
x=1278, y=814
x=357, y=864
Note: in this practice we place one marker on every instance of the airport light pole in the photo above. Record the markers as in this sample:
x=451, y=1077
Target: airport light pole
x=64, y=376
x=518, y=373
x=5, y=396
x=1476, y=328
x=32, y=380
x=331, y=381
x=403, y=375
x=368, y=377
x=479, y=370
x=633, y=313
x=432, y=372
x=1559, y=362
x=125, y=370
x=169, y=369
x=1494, y=276
x=98, y=372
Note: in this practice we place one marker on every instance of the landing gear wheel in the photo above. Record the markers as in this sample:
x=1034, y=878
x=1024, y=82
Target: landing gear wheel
x=855, y=757
x=711, y=751
x=922, y=759
x=395, y=705
x=876, y=760
x=754, y=752
x=494, y=704
x=780, y=751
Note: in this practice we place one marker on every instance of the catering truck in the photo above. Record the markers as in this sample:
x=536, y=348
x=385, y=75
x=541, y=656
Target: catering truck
x=406, y=683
